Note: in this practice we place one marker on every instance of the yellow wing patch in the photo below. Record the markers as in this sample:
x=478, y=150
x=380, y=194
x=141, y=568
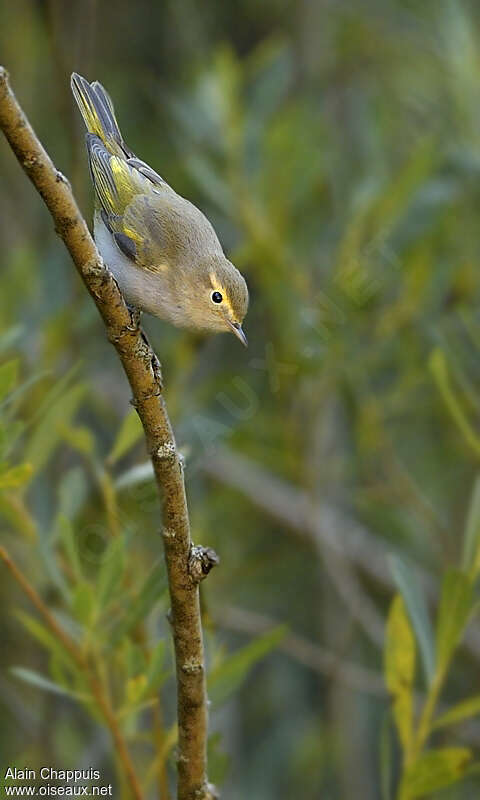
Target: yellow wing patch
x=116, y=182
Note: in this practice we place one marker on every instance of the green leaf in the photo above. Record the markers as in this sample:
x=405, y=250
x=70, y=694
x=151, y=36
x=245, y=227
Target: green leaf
x=84, y=603
x=67, y=537
x=143, y=682
x=8, y=377
x=9, y=434
x=151, y=592
x=471, y=538
x=58, y=673
x=48, y=432
x=135, y=689
x=55, y=393
x=218, y=759
x=45, y=638
x=455, y=606
x=155, y=673
x=41, y=682
x=212, y=184
x=130, y=432
x=135, y=659
x=399, y=668
x=140, y=473
x=439, y=369
x=14, y=477
x=25, y=387
x=434, y=770
x=9, y=337
x=72, y=492
x=417, y=610
x=51, y=564
x=111, y=572
x=464, y=710
x=228, y=676
x=79, y=438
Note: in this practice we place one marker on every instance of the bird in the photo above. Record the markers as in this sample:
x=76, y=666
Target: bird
x=161, y=249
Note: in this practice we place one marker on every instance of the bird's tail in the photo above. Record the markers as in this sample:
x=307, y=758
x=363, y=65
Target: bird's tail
x=98, y=113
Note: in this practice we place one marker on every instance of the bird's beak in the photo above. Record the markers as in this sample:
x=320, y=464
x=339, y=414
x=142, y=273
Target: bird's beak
x=237, y=329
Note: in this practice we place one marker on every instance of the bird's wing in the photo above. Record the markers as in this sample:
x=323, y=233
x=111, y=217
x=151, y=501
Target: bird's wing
x=127, y=191
x=98, y=114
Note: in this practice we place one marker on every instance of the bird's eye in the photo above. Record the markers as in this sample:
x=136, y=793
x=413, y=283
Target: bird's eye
x=217, y=297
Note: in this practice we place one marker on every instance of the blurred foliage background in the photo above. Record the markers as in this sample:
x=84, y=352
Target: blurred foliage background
x=335, y=146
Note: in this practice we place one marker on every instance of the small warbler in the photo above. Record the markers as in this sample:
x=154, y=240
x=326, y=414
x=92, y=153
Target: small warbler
x=162, y=250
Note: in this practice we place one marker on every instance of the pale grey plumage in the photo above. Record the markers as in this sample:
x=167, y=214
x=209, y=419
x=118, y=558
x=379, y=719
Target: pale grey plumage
x=163, y=251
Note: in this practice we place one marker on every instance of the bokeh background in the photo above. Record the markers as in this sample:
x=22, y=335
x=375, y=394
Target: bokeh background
x=335, y=146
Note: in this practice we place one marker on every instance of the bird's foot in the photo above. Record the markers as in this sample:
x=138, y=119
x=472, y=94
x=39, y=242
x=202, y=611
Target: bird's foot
x=135, y=315
x=200, y=561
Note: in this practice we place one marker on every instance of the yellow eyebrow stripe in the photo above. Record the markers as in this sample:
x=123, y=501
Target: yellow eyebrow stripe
x=217, y=287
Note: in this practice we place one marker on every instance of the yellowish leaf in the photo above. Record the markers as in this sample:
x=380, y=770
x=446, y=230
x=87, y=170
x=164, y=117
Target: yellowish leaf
x=434, y=770
x=400, y=668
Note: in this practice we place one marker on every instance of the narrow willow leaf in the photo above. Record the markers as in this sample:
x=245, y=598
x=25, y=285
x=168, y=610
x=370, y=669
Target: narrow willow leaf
x=72, y=492
x=84, y=603
x=45, y=638
x=111, y=572
x=399, y=668
x=79, y=437
x=10, y=433
x=156, y=675
x=135, y=659
x=128, y=710
x=41, y=682
x=9, y=337
x=147, y=681
x=8, y=377
x=46, y=551
x=58, y=674
x=219, y=761
x=15, y=477
x=55, y=393
x=227, y=677
x=141, y=473
x=417, y=610
x=22, y=524
x=211, y=182
x=471, y=538
x=25, y=387
x=135, y=689
x=455, y=607
x=435, y=770
x=48, y=431
x=130, y=432
x=439, y=369
x=152, y=591
x=464, y=710
x=67, y=537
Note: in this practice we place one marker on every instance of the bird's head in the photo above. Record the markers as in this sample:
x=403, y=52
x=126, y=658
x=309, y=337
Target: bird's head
x=220, y=297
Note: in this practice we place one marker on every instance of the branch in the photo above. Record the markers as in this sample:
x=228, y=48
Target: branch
x=143, y=371
x=304, y=651
x=324, y=525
